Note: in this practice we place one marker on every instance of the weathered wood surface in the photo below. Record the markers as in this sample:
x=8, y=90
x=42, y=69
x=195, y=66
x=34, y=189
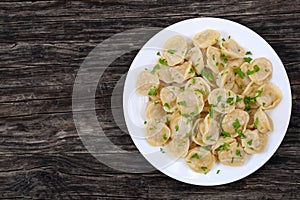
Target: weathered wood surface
x=43, y=43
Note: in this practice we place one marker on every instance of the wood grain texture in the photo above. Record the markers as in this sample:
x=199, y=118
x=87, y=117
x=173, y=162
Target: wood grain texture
x=43, y=43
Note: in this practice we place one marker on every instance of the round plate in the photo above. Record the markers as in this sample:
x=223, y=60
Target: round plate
x=134, y=104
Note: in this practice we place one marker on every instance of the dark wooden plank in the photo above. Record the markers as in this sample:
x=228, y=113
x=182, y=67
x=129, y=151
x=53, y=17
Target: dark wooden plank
x=42, y=45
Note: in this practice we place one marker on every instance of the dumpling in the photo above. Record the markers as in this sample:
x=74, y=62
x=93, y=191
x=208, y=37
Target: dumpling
x=168, y=96
x=178, y=146
x=189, y=104
x=180, y=126
x=232, y=154
x=163, y=73
x=182, y=72
x=209, y=76
x=214, y=61
x=262, y=121
x=222, y=144
x=222, y=100
x=174, y=50
x=225, y=78
x=234, y=121
x=157, y=133
x=206, y=38
x=260, y=70
x=255, y=142
x=241, y=77
x=234, y=63
x=195, y=56
x=232, y=49
x=211, y=131
x=270, y=96
x=199, y=86
x=197, y=131
x=200, y=160
x=147, y=83
x=155, y=111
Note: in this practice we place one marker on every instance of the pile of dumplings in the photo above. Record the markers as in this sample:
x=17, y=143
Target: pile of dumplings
x=208, y=100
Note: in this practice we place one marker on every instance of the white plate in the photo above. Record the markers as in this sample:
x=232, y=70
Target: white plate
x=134, y=104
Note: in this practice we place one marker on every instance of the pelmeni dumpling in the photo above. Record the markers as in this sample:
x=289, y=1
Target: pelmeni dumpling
x=222, y=144
x=241, y=78
x=211, y=132
x=232, y=49
x=174, y=50
x=262, y=121
x=197, y=131
x=234, y=121
x=270, y=96
x=214, y=61
x=155, y=111
x=260, y=70
x=189, y=103
x=164, y=73
x=255, y=142
x=180, y=126
x=181, y=73
x=168, y=96
x=206, y=38
x=147, y=83
x=199, y=86
x=178, y=146
x=222, y=100
x=157, y=133
x=225, y=78
x=200, y=160
x=234, y=63
x=232, y=154
x=195, y=56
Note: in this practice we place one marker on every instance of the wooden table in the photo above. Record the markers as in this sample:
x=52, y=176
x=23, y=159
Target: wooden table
x=42, y=45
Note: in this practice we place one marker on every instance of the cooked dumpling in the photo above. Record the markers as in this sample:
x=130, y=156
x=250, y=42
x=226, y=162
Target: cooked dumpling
x=157, y=133
x=232, y=49
x=206, y=38
x=200, y=160
x=168, y=96
x=199, y=86
x=182, y=72
x=155, y=111
x=214, y=61
x=163, y=73
x=197, y=131
x=225, y=78
x=254, y=142
x=222, y=144
x=195, y=56
x=147, y=83
x=260, y=70
x=211, y=131
x=235, y=121
x=232, y=154
x=180, y=126
x=270, y=96
x=174, y=50
x=222, y=100
x=262, y=121
x=189, y=103
x=241, y=77
x=178, y=146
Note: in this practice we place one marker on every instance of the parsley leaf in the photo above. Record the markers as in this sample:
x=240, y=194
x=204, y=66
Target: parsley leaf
x=236, y=124
x=248, y=53
x=176, y=127
x=195, y=155
x=255, y=122
x=255, y=69
x=156, y=67
x=240, y=73
x=167, y=106
x=163, y=62
x=181, y=103
x=247, y=59
x=230, y=100
x=153, y=91
x=171, y=51
x=249, y=142
x=225, y=134
x=209, y=75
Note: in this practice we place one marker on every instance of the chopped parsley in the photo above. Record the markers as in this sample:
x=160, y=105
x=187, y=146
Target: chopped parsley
x=224, y=147
x=255, y=122
x=204, y=168
x=165, y=137
x=205, y=147
x=171, y=51
x=209, y=75
x=225, y=134
x=191, y=70
x=156, y=102
x=218, y=171
x=224, y=58
x=255, y=69
x=249, y=142
x=247, y=59
x=219, y=98
x=156, y=67
x=258, y=92
x=163, y=62
x=213, y=57
x=217, y=63
x=145, y=122
x=153, y=91
x=176, y=127
x=248, y=53
x=240, y=73
x=223, y=39
x=162, y=150
x=230, y=100
x=158, y=53
x=201, y=91
x=195, y=155
x=238, y=153
x=238, y=99
x=181, y=103
x=267, y=70
x=236, y=124
x=240, y=133
x=211, y=111
x=167, y=106
x=232, y=159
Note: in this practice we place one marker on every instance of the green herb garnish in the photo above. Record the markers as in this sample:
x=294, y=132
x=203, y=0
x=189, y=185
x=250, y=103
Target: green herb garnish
x=153, y=91
x=230, y=100
x=156, y=67
x=195, y=155
x=181, y=103
x=240, y=73
x=248, y=53
x=167, y=106
x=255, y=122
x=255, y=69
x=171, y=51
x=249, y=142
x=247, y=59
x=176, y=128
x=225, y=134
x=163, y=62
